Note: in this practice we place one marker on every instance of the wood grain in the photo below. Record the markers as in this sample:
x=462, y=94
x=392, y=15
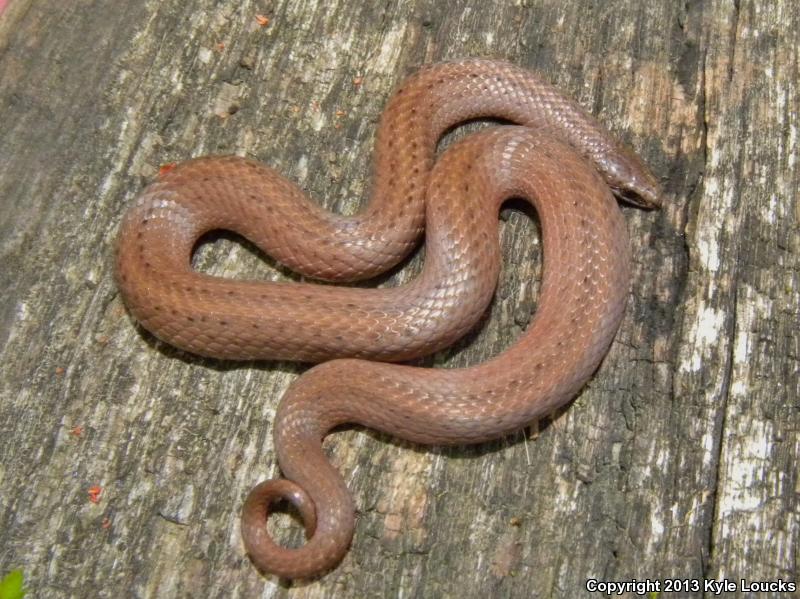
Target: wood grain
x=678, y=460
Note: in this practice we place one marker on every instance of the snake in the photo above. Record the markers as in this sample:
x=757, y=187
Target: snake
x=546, y=150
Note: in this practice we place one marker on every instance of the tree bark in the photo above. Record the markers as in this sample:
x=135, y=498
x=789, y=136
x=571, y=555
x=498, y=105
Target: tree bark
x=679, y=459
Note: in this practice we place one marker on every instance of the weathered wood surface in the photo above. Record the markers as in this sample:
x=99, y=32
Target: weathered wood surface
x=678, y=460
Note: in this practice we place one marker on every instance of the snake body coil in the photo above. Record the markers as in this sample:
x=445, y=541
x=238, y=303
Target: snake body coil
x=557, y=157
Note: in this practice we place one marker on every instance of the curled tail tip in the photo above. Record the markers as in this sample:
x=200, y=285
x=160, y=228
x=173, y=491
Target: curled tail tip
x=306, y=562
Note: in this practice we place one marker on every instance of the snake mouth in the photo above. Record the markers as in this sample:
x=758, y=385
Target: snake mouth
x=649, y=199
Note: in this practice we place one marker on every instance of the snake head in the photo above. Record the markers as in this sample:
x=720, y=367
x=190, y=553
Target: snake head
x=630, y=180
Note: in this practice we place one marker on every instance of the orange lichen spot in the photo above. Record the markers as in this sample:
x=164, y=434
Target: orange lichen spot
x=358, y=81
x=262, y=20
x=94, y=493
x=106, y=522
x=165, y=168
x=340, y=113
x=76, y=431
x=220, y=46
x=60, y=370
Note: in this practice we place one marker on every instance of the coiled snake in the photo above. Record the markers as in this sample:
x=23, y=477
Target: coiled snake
x=556, y=156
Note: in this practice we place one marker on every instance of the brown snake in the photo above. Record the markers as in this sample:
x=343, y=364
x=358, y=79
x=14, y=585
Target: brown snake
x=557, y=157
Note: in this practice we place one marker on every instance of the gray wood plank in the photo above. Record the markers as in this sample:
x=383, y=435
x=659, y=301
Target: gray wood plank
x=678, y=460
